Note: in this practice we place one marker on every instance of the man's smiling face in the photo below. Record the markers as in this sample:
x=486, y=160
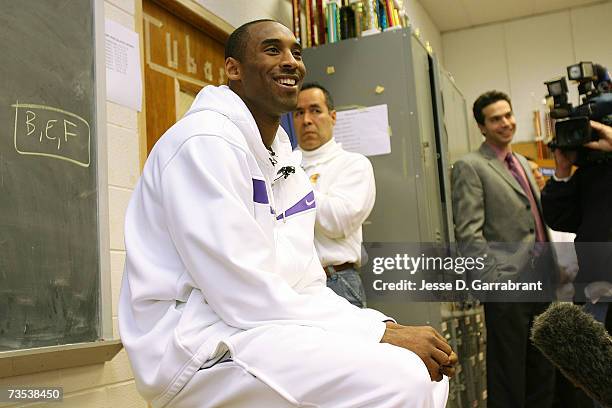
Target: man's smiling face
x=499, y=123
x=272, y=69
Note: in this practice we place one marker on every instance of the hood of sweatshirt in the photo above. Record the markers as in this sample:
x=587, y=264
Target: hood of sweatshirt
x=223, y=100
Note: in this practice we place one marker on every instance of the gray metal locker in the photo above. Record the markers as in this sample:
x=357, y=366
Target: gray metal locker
x=408, y=205
x=455, y=118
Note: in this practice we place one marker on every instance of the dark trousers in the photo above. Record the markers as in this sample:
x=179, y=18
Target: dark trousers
x=518, y=375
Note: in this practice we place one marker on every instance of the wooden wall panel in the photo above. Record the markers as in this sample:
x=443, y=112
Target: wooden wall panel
x=160, y=100
x=177, y=48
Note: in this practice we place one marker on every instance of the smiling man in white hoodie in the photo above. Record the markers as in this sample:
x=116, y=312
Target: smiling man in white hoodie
x=223, y=301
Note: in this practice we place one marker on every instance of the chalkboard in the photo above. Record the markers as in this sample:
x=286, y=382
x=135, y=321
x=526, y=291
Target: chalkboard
x=49, y=232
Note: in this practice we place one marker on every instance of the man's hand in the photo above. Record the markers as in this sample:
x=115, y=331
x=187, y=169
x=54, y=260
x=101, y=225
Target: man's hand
x=426, y=343
x=564, y=160
x=605, y=137
x=449, y=369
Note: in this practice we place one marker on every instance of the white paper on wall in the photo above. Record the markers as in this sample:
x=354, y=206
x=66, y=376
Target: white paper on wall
x=364, y=130
x=123, y=79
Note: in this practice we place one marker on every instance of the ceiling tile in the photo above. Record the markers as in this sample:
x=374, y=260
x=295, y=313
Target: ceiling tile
x=545, y=6
x=447, y=14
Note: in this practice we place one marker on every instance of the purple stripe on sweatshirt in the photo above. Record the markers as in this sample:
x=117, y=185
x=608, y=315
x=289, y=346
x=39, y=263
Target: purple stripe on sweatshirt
x=260, y=194
x=306, y=203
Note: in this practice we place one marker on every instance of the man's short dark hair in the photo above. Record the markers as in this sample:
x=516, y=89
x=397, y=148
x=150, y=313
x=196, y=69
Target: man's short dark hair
x=237, y=41
x=328, y=99
x=485, y=100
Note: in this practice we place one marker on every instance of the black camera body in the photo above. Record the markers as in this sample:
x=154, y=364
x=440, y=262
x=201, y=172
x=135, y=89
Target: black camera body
x=574, y=130
x=572, y=127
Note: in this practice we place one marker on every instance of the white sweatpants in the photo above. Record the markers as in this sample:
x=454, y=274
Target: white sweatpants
x=297, y=366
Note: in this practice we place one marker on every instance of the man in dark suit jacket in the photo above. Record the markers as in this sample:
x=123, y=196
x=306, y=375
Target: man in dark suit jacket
x=581, y=203
x=496, y=207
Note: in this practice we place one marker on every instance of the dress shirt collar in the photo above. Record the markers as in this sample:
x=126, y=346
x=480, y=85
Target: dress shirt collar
x=499, y=152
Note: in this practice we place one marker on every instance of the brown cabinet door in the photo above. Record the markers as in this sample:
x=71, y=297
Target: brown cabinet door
x=183, y=53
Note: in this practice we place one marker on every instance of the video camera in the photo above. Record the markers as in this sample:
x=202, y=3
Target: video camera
x=572, y=127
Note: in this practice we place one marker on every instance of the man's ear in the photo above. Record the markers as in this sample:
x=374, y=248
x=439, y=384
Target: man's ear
x=483, y=129
x=232, y=69
x=333, y=116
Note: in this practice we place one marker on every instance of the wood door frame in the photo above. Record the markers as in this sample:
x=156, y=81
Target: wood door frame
x=196, y=15
x=184, y=85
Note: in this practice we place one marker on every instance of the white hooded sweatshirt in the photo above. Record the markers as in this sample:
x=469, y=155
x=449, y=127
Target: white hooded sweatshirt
x=220, y=246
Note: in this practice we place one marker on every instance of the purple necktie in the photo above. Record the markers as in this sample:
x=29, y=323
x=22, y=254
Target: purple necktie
x=517, y=175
